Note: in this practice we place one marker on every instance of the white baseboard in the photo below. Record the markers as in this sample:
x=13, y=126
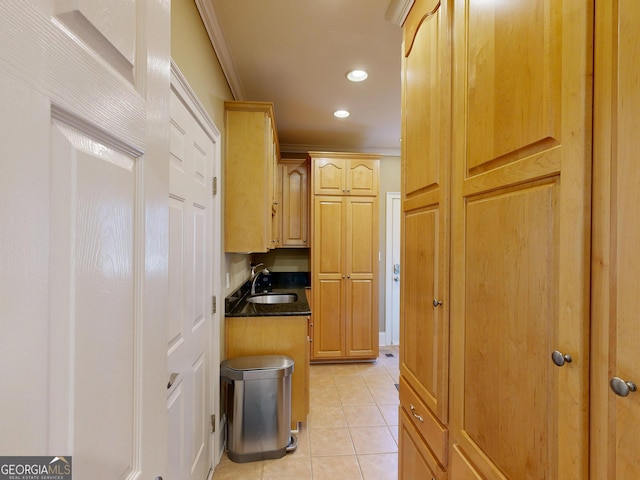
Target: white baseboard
x=382, y=339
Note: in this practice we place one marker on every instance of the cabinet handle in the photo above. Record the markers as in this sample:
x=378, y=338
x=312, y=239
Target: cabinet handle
x=413, y=412
x=560, y=359
x=436, y=302
x=622, y=388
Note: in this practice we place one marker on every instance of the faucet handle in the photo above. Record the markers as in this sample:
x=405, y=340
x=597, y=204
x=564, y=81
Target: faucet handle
x=253, y=269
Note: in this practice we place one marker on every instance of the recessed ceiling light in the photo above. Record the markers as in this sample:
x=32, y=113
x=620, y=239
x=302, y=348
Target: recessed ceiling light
x=357, y=75
x=341, y=114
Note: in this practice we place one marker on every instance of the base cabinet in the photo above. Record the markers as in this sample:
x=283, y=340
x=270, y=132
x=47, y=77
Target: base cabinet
x=275, y=336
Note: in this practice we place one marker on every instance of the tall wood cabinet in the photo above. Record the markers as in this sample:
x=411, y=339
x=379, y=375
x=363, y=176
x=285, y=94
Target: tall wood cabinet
x=426, y=157
x=615, y=418
x=495, y=252
x=344, y=256
x=251, y=179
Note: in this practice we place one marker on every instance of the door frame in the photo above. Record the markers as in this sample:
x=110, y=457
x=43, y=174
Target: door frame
x=183, y=90
x=388, y=281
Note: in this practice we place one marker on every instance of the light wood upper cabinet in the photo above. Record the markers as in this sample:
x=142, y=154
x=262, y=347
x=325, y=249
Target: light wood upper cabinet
x=294, y=184
x=345, y=173
x=251, y=197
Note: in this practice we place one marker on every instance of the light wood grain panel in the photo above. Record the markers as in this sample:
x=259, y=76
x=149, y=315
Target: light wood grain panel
x=426, y=165
x=615, y=420
x=362, y=177
x=461, y=468
x=425, y=98
x=521, y=117
x=511, y=279
x=295, y=203
x=328, y=313
x=423, y=361
x=512, y=43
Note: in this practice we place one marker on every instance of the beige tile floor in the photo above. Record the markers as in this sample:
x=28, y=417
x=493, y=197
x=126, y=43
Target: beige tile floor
x=352, y=431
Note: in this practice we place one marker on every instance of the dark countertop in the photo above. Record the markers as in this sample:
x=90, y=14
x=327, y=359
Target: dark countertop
x=236, y=304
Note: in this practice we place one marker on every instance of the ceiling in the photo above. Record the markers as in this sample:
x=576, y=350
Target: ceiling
x=296, y=54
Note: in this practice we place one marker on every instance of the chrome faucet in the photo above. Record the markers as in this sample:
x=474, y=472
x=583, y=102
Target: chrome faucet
x=253, y=270
x=255, y=277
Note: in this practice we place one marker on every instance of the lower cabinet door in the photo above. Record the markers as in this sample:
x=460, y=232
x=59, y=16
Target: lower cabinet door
x=415, y=460
x=461, y=468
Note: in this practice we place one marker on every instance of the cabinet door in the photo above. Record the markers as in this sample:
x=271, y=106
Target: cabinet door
x=251, y=154
x=616, y=260
x=295, y=203
x=329, y=176
x=328, y=282
x=362, y=177
x=426, y=158
x=520, y=244
x=361, y=256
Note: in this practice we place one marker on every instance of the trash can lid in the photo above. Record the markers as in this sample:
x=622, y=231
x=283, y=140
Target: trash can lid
x=263, y=366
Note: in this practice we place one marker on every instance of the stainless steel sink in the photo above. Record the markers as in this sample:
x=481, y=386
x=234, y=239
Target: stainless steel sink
x=274, y=298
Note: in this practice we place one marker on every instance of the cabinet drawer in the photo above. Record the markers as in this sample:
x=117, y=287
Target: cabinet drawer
x=415, y=460
x=435, y=434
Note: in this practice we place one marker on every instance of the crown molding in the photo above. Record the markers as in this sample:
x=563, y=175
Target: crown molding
x=219, y=43
x=398, y=10
x=296, y=148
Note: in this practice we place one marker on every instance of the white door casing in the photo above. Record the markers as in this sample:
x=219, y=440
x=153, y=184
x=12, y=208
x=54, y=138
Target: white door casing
x=392, y=278
x=194, y=239
x=84, y=90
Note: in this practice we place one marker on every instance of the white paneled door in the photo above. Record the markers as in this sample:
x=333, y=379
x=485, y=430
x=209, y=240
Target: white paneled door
x=84, y=137
x=189, y=333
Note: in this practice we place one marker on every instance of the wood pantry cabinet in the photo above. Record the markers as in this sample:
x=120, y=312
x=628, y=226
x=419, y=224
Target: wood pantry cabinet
x=424, y=309
x=251, y=192
x=615, y=419
x=294, y=185
x=496, y=241
x=344, y=256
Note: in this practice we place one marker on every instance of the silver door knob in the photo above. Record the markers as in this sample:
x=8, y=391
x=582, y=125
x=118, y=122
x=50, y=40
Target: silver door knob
x=622, y=388
x=436, y=302
x=560, y=359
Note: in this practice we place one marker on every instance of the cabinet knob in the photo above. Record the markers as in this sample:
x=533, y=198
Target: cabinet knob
x=560, y=359
x=436, y=302
x=622, y=388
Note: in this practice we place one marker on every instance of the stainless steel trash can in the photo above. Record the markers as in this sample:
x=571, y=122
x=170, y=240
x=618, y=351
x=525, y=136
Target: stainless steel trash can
x=257, y=397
